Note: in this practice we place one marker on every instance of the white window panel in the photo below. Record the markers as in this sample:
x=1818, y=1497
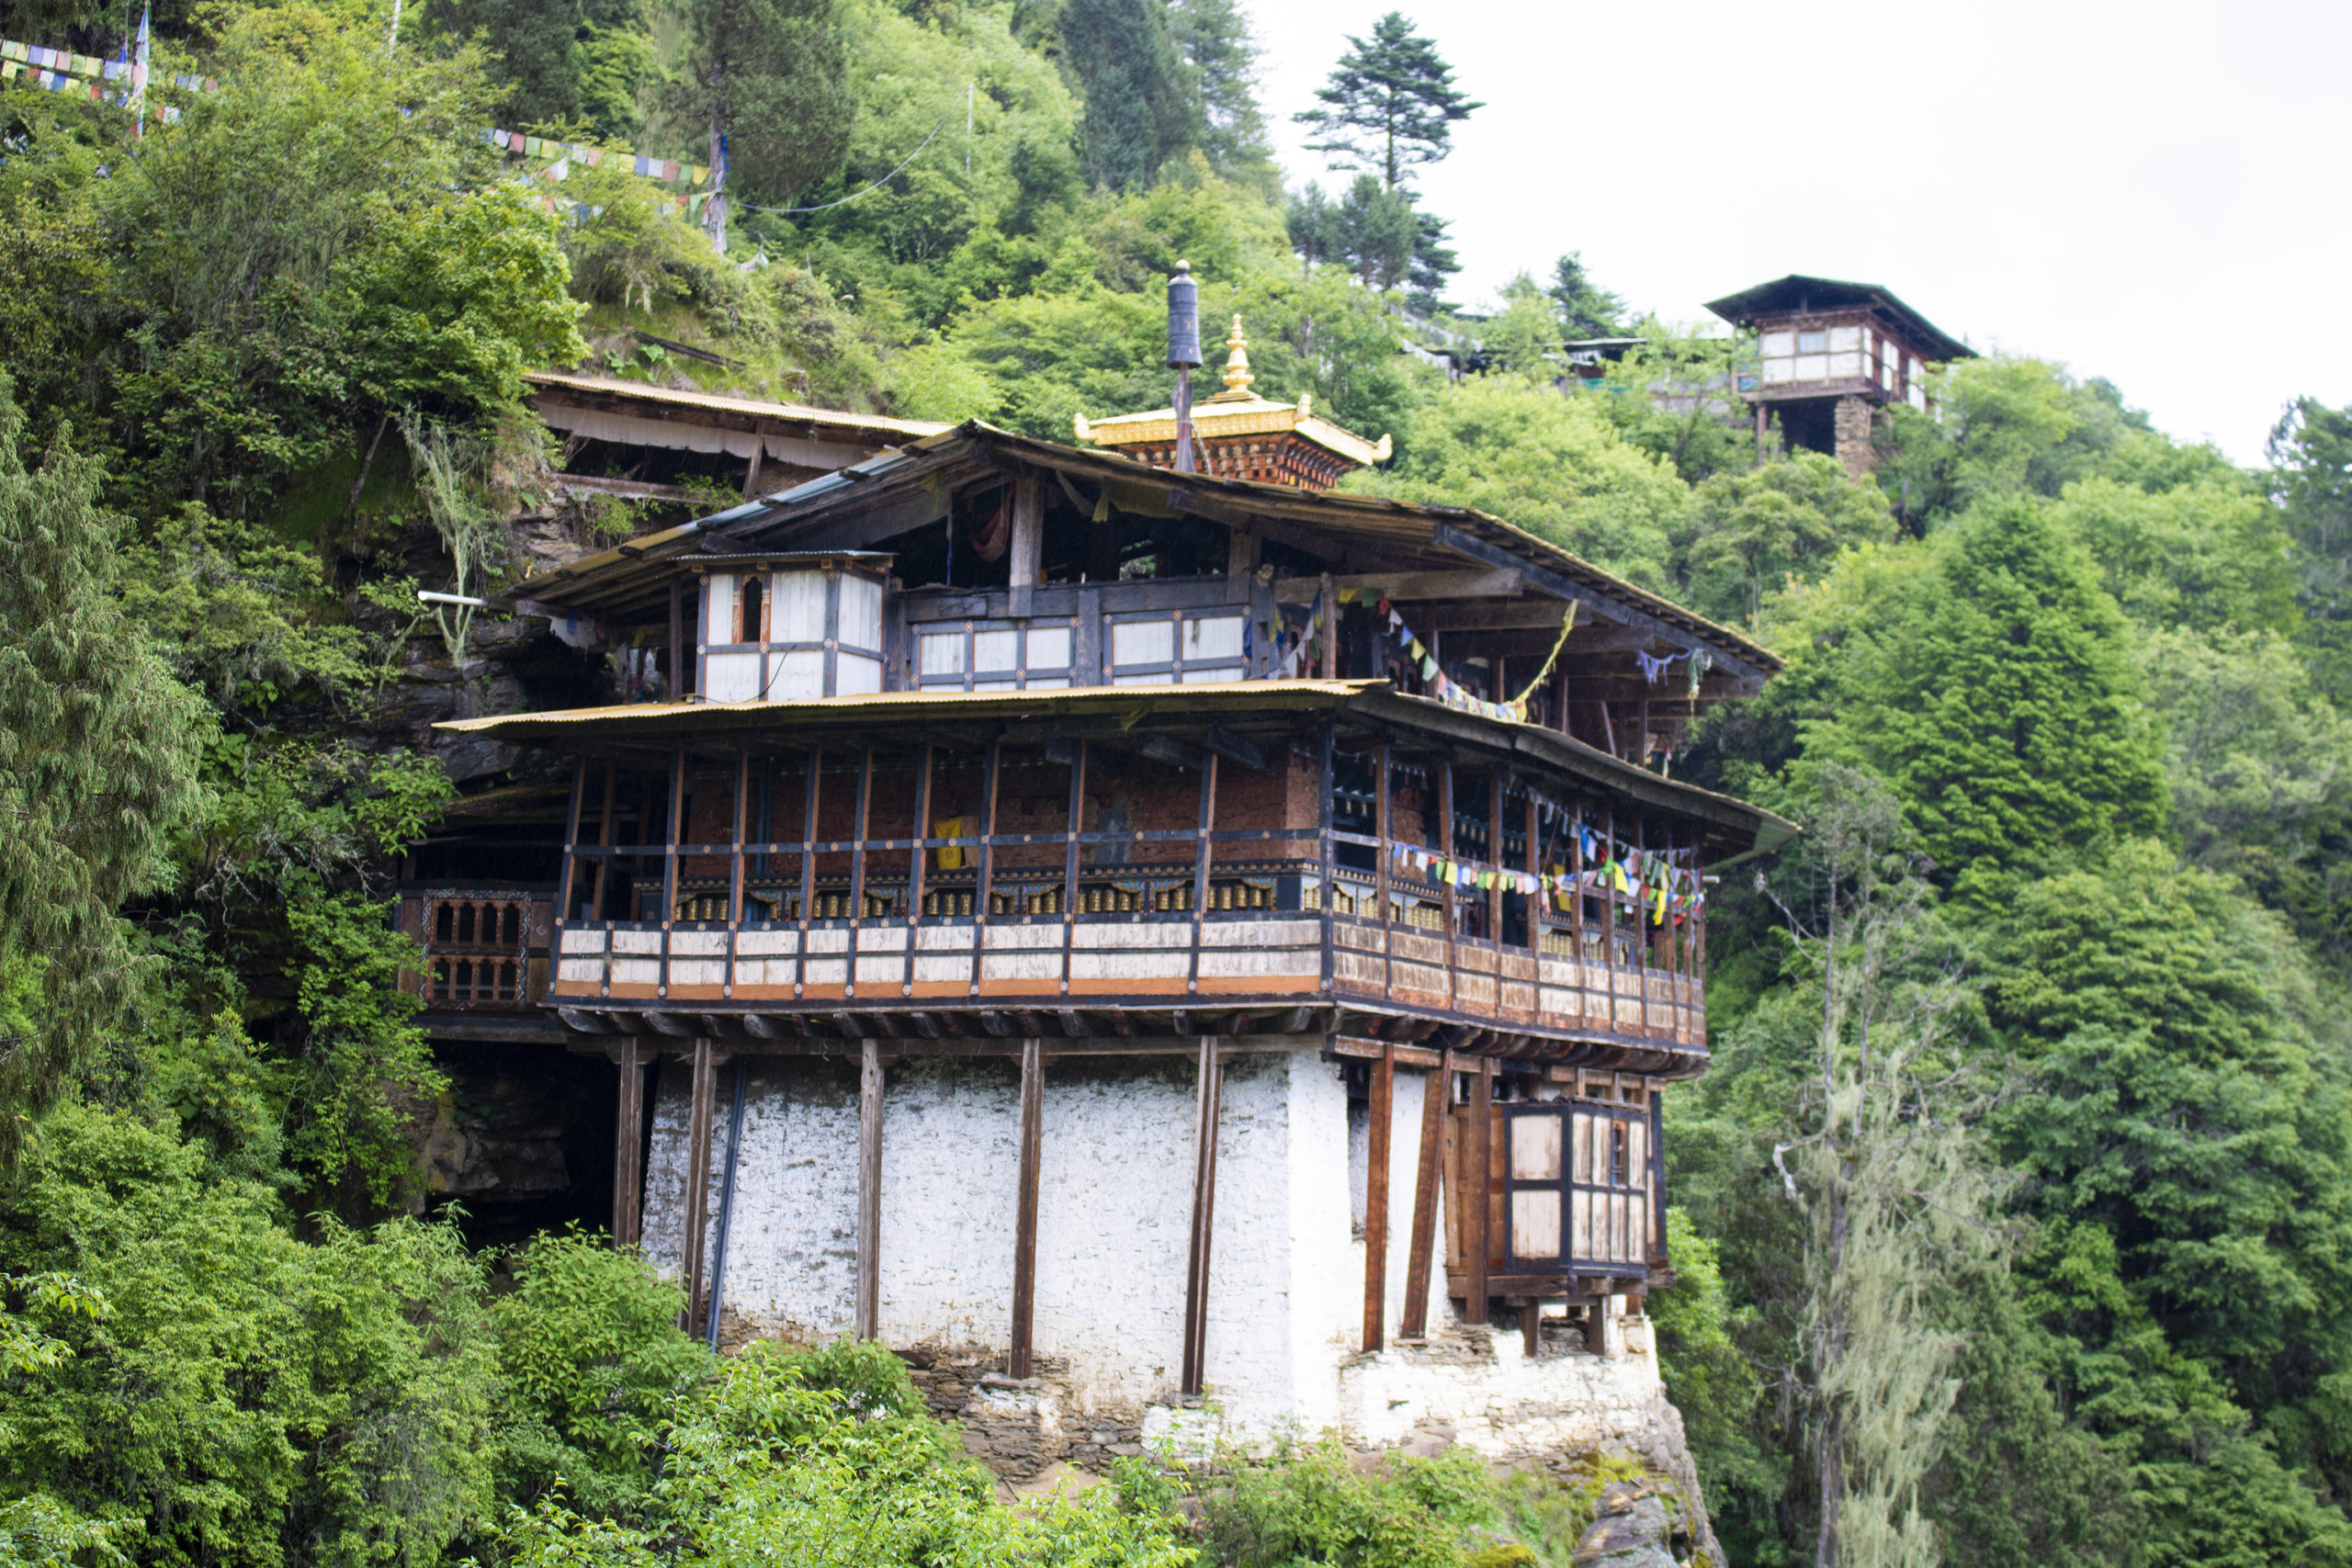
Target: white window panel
x=718, y=608
x=1842, y=366
x=1780, y=343
x=1197, y=674
x=796, y=613
x=1048, y=648
x=1813, y=342
x=1211, y=637
x=1535, y=1149
x=1048, y=682
x=1886, y=372
x=1844, y=340
x=1916, y=370
x=1535, y=1224
x=1918, y=397
x=797, y=675
x=996, y=651
x=855, y=674
x=1812, y=367
x=1781, y=370
x=731, y=677
x=942, y=653
x=861, y=622
x=1152, y=680
x=996, y=686
x=1143, y=642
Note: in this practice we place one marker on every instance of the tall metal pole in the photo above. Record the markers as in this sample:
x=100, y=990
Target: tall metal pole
x=1183, y=354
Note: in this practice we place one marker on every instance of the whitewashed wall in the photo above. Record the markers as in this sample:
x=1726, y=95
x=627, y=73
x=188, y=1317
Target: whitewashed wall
x=1114, y=1205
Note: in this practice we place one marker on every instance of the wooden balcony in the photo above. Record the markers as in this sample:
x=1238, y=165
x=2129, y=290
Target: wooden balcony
x=485, y=949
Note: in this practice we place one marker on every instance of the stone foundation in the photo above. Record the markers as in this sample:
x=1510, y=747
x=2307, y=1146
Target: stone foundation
x=1853, y=420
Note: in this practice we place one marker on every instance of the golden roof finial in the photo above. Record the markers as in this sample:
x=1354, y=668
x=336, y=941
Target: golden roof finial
x=1236, y=364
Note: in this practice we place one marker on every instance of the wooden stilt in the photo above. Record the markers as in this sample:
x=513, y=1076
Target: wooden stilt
x=1375, y=1199
x=1531, y=1329
x=604, y=841
x=1024, y=1223
x=1435, y=1089
x=869, y=1192
x=1477, y=1237
x=699, y=1119
x=628, y=1145
x=1196, y=1273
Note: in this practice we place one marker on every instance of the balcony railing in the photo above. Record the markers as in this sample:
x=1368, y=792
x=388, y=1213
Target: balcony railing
x=485, y=949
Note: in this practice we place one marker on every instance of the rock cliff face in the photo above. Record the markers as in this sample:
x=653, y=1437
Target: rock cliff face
x=521, y=1140
x=1636, y=1527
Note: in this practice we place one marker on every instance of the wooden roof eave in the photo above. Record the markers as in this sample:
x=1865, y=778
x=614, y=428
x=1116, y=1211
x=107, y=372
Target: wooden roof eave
x=654, y=729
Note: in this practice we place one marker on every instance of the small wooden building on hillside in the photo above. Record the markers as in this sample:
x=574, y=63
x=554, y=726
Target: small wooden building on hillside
x=1832, y=355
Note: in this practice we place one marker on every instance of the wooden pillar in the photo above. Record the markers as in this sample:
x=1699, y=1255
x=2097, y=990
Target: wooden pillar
x=1327, y=659
x=1445, y=850
x=571, y=843
x=1375, y=1200
x=1478, y=1214
x=699, y=1119
x=677, y=692
x=735, y=866
x=1531, y=1329
x=1383, y=831
x=808, y=850
x=869, y=1192
x=1028, y=542
x=628, y=1143
x=1197, y=1272
x=918, y=866
x=604, y=841
x=1436, y=1089
x=1495, y=858
x=858, y=817
x=1024, y=1224
x=670, y=851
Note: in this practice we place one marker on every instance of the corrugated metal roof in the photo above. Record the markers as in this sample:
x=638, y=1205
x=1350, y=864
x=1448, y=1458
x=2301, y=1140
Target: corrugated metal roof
x=673, y=401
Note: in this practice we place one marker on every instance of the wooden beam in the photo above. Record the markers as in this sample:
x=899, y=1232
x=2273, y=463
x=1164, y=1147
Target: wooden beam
x=699, y=1119
x=1197, y=1272
x=869, y=1191
x=1028, y=542
x=1405, y=586
x=628, y=1143
x=1024, y=1223
x=1478, y=1181
x=1375, y=1204
x=1436, y=1089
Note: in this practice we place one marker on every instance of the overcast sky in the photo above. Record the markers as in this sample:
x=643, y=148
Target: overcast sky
x=2153, y=192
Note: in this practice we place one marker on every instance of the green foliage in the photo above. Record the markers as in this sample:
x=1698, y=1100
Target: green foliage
x=1390, y=105
x=1551, y=464
x=1137, y=115
x=96, y=765
x=772, y=76
x=1585, y=309
x=1706, y=1371
x=2001, y=704
x=1753, y=535
x=1310, y=1504
x=251, y=1398
x=590, y=1345
x=2206, y=555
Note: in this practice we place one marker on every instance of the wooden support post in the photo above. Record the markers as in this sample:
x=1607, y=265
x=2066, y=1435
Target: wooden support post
x=1071, y=896
x=1436, y=1087
x=1445, y=849
x=1380, y=876
x=1531, y=1329
x=1201, y=867
x=571, y=843
x=984, y=874
x=604, y=841
x=1375, y=1200
x=869, y=1192
x=677, y=673
x=699, y=1119
x=858, y=817
x=1534, y=867
x=1196, y=1271
x=743, y=823
x=1024, y=1223
x=1608, y=913
x=1495, y=858
x=1478, y=1179
x=670, y=851
x=628, y=1145
x=1327, y=659
x=1028, y=543
x=918, y=866
x=1328, y=773
x=808, y=851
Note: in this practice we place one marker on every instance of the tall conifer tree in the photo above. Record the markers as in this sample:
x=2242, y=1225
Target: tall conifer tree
x=1390, y=103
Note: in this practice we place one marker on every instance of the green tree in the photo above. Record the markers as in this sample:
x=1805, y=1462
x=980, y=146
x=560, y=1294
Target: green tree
x=2207, y=554
x=1585, y=309
x=1550, y=464
x=1390, y=105
x=2311, y=483
x=1752, y=532
x=1216, y=44
x=98, y=766
x=583, y=60
x=771, y=79
x=2002, y=706
x=1138, y=114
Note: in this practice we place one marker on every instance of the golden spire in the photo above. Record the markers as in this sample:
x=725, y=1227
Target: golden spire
x=1237, y=365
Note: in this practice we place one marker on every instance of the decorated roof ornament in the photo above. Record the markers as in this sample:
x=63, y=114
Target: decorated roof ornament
x=1237, y=433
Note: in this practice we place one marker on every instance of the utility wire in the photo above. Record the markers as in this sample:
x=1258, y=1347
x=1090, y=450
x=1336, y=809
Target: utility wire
x=877, y=185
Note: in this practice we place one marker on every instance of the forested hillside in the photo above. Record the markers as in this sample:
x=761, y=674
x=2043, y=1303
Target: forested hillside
x=2013, y=1221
